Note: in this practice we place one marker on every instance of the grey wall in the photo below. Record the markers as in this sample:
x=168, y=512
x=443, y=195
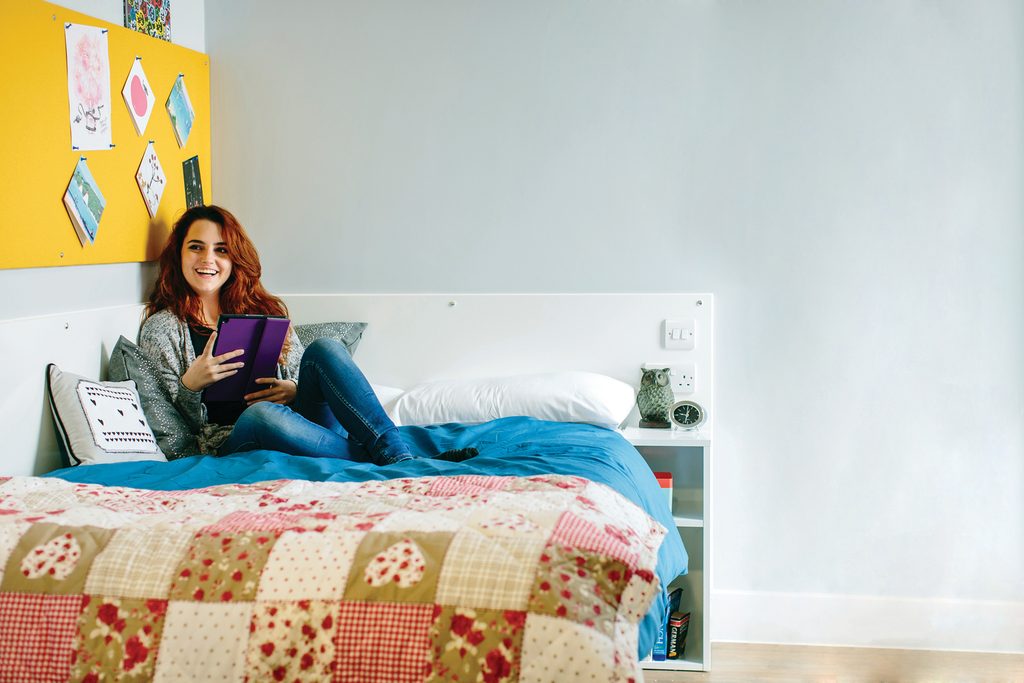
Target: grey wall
x=845, y=176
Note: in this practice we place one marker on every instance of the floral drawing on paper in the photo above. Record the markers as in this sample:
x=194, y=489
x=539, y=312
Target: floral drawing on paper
x=88, y=86
x=138, y=96
x=179, y=106
x=84, y=203
x=151, y=179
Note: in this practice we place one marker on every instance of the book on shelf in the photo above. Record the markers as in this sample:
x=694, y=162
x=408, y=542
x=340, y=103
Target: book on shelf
x=660, y=652
x=675, y=597
x=665, y=482
x=678, y=625
x=661, y=644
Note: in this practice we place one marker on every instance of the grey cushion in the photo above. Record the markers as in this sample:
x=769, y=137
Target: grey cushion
x=129, y=362
x=98, y=422
x=348, y=334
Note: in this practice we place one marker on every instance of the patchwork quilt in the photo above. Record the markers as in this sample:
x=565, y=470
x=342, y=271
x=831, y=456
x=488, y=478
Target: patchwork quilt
x=465, y=578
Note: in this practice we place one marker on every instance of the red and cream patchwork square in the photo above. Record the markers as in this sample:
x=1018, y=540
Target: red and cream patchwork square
x=416, y=520
x=559, y=651
x=309, y=565
x=204, y=641
x=118, y=639
x=292, y=641
x=383, y=642
x=476, y=644
x=9, y=535
x=138, y=563
x=466, y=485
x=53, y=559
x=545, y=482
x=581, y=586
x=242, y=520
x=222, y=567
x=37, y=635
x=575, y=532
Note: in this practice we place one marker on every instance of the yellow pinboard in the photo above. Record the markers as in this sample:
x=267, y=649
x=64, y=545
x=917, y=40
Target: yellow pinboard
x=35, y=136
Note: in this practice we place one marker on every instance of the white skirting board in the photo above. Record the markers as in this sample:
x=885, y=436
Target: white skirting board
x=868, y=621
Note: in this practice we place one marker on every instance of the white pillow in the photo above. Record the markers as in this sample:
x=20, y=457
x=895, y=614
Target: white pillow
x=99, y=422
x=387, y=395
x=558, y=396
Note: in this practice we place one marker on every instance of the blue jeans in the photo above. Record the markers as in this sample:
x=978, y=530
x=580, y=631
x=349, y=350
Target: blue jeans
x=335, y=415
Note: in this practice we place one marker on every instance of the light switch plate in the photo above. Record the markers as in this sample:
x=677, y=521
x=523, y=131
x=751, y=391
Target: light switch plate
x=679, y=334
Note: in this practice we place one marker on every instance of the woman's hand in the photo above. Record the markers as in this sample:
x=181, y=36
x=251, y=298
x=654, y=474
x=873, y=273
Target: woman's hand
x=207, y=368
x=278, y=391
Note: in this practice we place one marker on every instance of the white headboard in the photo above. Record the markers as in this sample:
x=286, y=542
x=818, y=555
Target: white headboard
x=411, y=338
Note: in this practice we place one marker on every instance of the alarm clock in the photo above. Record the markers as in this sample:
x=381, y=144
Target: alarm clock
x=686, y=415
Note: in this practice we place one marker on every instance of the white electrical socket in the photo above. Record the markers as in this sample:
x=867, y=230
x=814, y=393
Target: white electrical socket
x=682, y=376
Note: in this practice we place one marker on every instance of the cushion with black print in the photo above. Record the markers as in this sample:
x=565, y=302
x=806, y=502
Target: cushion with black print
x=98, y=422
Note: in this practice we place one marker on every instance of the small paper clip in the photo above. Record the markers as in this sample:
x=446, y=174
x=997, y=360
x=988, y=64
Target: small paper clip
x=67, y=26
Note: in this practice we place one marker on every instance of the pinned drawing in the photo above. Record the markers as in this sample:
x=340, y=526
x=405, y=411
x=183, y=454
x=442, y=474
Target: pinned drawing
x=193, y=182
x=138, y=96
x=179, y=106
x=88, y=86
x=151, y=179
x=152, y=17
x=84, y=203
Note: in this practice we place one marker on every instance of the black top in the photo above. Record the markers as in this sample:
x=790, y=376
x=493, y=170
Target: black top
x=217, y=412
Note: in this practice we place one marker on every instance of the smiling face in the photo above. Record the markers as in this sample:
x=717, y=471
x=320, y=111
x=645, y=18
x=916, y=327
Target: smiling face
x=205, y=261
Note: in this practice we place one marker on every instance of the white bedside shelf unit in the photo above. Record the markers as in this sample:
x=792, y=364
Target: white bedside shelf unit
x=687, y=455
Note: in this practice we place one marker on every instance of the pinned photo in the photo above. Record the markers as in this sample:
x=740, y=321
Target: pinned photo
x=85, y=203
x=138, y=96
x=179, y=106
x=151, y=179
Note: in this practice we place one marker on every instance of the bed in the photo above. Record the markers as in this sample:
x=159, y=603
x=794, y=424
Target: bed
x=543, y=558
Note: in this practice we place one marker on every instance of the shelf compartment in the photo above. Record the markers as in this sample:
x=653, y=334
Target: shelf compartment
x=688, y=508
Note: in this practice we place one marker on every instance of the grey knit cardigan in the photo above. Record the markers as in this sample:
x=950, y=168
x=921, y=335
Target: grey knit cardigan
x=165, y=338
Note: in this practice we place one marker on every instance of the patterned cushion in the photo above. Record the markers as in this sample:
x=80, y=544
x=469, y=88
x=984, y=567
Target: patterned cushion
x=98, y=421
x=348, y=334
x=173, y=434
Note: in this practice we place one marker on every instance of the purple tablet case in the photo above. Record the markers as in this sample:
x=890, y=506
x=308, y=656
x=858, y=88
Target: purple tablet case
x=261, y=338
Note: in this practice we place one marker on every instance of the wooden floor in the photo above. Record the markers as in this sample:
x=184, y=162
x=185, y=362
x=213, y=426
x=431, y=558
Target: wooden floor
x=741, y=663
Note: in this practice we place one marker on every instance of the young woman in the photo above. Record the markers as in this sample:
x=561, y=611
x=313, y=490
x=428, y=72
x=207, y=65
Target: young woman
x=319, y=404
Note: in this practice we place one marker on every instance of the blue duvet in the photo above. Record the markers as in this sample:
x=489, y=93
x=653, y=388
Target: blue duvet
x=515, y=446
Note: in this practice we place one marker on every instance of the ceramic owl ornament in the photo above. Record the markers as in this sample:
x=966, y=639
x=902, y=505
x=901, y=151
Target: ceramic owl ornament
x=654, y=399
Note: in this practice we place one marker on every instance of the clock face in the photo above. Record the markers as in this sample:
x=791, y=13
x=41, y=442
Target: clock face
x=687, y=414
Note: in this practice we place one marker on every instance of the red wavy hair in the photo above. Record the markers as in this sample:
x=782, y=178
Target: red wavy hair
x=242, y=293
